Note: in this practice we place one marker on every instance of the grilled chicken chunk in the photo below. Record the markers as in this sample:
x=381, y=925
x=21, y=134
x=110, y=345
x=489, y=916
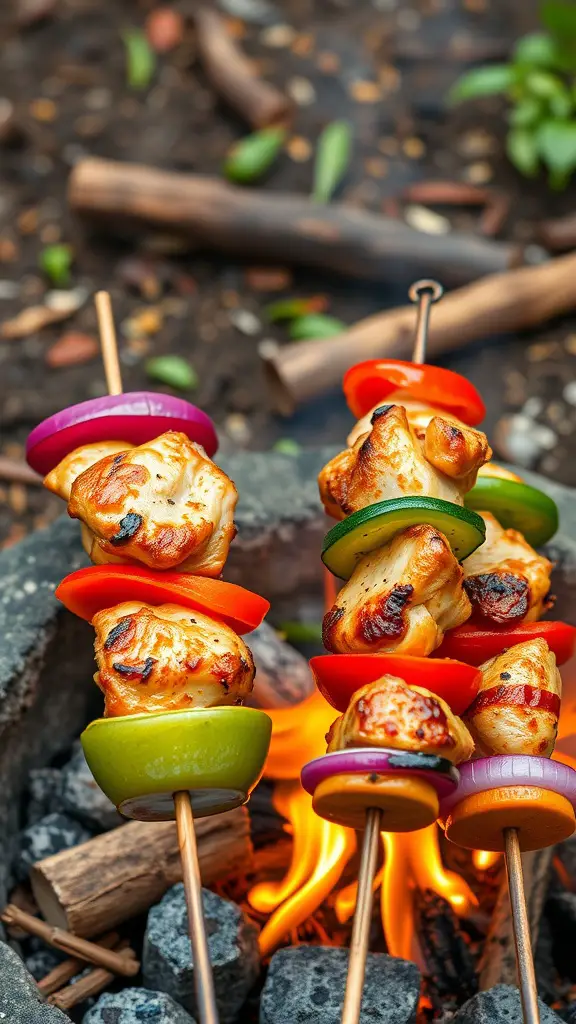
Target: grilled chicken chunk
x=395, y=458
x=164, y=503
x=389, y=713
x=167, y=659
x=61, y=478
x=517, y=707
x=401, y=597
x=505, y=579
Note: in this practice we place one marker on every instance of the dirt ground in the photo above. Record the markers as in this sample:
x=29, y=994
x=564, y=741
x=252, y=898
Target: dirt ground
x=65, y=76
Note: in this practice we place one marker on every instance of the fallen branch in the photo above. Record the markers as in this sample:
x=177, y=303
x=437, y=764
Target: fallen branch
x=64, y=972
x=498, y=964
x=498, y=304
x=90, y=985
x=91, y=888
x=18, y=472
x=232, y=75
x=280, y=226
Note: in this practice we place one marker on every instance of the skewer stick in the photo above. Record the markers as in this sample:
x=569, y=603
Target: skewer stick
x=203, y=979
x=524, y=959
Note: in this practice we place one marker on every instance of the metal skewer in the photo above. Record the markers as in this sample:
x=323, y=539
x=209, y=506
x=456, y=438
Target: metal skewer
x=203, y=979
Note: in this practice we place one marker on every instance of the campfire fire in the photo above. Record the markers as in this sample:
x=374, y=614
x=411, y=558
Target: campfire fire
x=322, y=850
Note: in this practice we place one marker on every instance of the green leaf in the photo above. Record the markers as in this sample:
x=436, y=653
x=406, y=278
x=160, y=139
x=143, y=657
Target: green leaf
x=173, y=371
x=538, y=49
x=544, y=85
x=140, y=59
x=487, y=81
x=559, y=17
x=287, y=446
x=556, y=140
x=523, y=151
x=253, y=155
x=315, y=325
x=55, y=262
x=525, y=113
x=302, y=632
x=333, y=154
x=289, y=309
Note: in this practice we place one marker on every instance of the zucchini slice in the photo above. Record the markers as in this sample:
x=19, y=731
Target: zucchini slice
x=516, y=506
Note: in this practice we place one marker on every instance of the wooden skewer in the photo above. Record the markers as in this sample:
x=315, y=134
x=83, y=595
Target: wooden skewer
x=91, y=952
x=62, y=973
x=90, y=985
x=524, y=958
x=203, y=979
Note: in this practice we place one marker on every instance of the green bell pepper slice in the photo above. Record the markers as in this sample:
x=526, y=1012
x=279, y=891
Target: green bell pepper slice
x=516, y=506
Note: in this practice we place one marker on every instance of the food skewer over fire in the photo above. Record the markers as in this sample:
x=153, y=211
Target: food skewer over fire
x=157, y=521
x=436, y=546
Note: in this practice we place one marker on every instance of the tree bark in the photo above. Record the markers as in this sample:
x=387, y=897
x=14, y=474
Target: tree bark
x=93, y=887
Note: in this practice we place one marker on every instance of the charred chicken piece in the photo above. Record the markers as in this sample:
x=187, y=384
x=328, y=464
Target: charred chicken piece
x=61, y=478
x=164, y=504
x=395, y=459
x=388, y=713
x=505, y=579
x=517, y=707
x=167, y=659
x=401, y=597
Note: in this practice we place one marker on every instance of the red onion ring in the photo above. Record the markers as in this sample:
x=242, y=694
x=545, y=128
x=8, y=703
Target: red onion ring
x=511, y=770
x=136, y=417
x=364, y=760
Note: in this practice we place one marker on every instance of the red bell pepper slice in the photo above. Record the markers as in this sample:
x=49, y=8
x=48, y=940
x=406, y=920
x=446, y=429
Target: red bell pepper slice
x=475, y=644
x=338, y=676
x=371, y=382
x=90, y=590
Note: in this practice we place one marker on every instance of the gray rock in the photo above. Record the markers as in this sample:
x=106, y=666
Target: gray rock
x=82, y=797
x=45, y=793
x=305, y=985
x=50, y=835
x=42, y=959
x=283, y=675
x=20, y=1001
x=167, y=963
x=500, y=1005
x=136, y=1006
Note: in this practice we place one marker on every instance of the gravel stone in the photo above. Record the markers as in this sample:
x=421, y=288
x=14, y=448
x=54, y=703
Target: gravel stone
x=50, y=835
x=82, y=797
x=136, y=1006
x=305, y=985
x=167, y=963
x=20, y=1000
x=45, y=793
x=500, y=1005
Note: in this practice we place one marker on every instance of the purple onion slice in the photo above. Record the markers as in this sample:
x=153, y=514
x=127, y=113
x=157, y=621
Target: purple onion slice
x=511, y=770
x=438, y=771
x=136, y=417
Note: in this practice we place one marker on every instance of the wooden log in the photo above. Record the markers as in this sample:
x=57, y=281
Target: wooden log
x=280, y=226
x=558, y=234
x=94, y=887
x=498, y=964
x=233, y=76
x=497, y=304
x=283, y=675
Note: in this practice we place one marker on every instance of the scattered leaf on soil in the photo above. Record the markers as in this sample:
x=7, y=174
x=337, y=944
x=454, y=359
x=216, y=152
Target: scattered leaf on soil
x=315, y=325
x=33, y=319
x=140, y=59
x=252, y=156
x=289, y=309
x=164, y=29
x=333, y=154
x=72, y=349
x=287, y=446
x=55, y=262
x=173, y=371
x=268, y=279
x=145, y=322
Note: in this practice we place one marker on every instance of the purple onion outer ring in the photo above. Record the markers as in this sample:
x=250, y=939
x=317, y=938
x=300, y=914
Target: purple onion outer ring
x=511, y=770
x=365, y=760
x=136, y=417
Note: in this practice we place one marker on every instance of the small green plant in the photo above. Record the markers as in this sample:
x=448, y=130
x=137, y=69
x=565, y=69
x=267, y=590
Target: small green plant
x=540, y=84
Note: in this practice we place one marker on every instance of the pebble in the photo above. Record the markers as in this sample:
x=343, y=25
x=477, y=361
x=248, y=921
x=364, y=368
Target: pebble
x=569, y=393
x=66, y=301
x=165, y=29
x=136, y=1006
x=476, y=143
x=44, y=110
x=146, y=322
x=428, y=221
x=238, y=428
x=72, y=349
x=299, y=149
x=98, y=99
x=365, y=91
x=413, y=148
x=301, y=91
x=278, y=36
x=245, y=321
x=521, y=440
x=478, y=173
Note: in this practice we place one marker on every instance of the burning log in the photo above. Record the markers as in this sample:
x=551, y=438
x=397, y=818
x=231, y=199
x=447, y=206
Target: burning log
x=232, y=75
x=446, y=954
x=94, y=887
x=274, y=225
x=500, y=303
x=498, y=964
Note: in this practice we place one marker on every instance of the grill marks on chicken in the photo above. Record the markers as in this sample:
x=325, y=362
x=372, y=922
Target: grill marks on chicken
x=168, y=658
x=164, y=504
x=517, y=707
x=433, y=456
x=61, y=478
x=505, y=579
x=399, y=598
x=389, y=713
